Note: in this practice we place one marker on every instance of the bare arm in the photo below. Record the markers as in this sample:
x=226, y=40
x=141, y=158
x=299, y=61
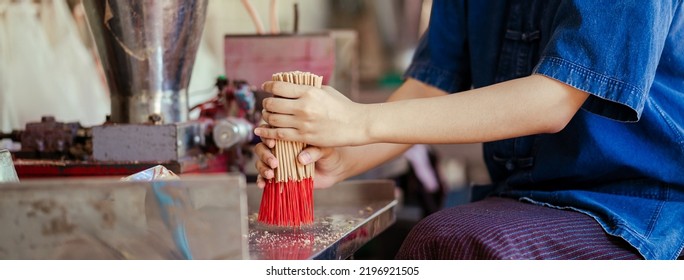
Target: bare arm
x=344, y=162
x=525, y=106
x=354, y=160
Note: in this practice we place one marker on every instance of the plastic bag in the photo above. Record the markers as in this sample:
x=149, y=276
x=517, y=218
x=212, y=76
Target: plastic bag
x=7, y=172
x=155, y=173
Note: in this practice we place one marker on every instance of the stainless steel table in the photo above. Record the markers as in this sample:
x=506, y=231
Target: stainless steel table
x=346, y=216
x=203, y=217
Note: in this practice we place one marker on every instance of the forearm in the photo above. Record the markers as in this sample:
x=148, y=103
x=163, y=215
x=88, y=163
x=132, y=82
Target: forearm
x=325, y=118
x=359, y=159
x=524, y=106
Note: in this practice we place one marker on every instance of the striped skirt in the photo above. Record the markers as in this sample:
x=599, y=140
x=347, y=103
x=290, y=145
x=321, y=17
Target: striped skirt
x=504, y=228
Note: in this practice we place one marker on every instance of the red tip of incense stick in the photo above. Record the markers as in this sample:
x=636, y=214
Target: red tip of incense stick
x=287, y=203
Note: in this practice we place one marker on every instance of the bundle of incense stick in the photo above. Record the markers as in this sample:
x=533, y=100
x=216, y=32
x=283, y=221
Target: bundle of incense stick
x=288, y=197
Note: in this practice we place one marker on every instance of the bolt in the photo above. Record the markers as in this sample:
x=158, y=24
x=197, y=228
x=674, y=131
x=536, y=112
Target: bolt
x=155, y=118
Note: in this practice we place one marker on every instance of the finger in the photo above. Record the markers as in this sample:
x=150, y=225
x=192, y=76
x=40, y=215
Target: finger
x=265, y=171
x=287, y=134
x=311, y=154
x=284, y=89
x=269, y=142
x=280, y=105
x=280, y=120
x=260, y=182
x=266, y=156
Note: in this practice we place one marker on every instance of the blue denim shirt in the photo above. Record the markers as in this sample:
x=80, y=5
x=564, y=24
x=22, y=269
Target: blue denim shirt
x=621, y=158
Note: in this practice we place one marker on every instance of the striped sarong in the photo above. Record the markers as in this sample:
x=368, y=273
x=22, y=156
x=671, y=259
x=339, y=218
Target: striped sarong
x=504, y=228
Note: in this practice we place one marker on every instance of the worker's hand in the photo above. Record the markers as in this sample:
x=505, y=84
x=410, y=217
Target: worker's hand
x=327, y=168
x=320, y=117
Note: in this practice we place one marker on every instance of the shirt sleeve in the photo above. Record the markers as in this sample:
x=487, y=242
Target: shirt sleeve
x=610, y=50
x=441, y=59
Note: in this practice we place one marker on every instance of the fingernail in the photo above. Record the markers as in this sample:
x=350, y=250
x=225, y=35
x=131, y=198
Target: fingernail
x=305, y=158
x=257, y=131
x=273, y=163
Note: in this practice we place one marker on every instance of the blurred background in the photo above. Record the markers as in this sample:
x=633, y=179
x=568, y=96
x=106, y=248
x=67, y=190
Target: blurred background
x=49, y=66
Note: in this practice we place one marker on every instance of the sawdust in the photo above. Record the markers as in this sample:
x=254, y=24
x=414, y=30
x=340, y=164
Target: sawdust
x=288, y=243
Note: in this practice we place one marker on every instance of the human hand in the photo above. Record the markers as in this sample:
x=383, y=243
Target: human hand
x=320, y=117
x=328, y=171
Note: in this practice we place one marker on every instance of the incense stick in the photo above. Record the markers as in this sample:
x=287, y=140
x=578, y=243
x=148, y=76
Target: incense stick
x=288, y=197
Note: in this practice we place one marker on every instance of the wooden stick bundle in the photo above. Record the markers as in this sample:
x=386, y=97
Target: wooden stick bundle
x=288, y=198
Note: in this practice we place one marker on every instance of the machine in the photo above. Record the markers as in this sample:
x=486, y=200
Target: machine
x=147, y=49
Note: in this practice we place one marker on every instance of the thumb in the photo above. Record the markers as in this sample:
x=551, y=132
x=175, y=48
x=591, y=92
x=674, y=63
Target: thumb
x=312, y=154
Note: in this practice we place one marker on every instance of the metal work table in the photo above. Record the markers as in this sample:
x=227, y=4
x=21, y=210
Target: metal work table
x=347, y=216
x=203, y=217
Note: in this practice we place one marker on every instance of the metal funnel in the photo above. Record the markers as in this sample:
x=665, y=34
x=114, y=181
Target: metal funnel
x=147, y=50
